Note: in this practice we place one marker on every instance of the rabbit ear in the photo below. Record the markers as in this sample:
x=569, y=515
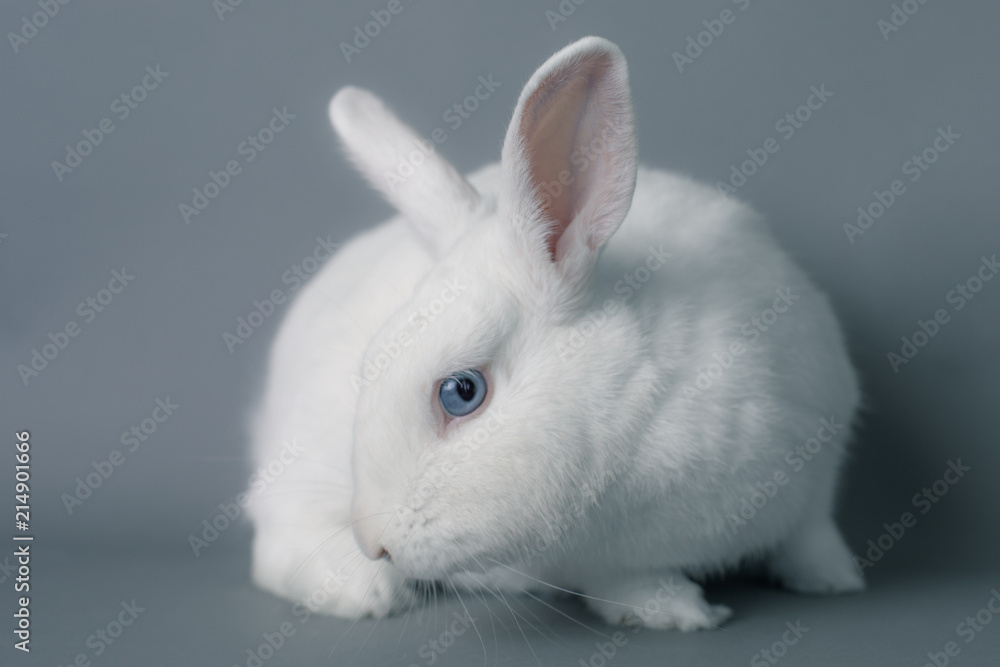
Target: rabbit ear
x=406, y=169
x=569, y=158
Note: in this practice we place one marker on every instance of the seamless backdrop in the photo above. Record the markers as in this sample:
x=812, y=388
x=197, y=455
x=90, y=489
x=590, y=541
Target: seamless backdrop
x=911, y=98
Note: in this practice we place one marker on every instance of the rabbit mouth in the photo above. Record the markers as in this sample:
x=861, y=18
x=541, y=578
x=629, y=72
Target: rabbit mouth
x=433, y=564
x=433, y=557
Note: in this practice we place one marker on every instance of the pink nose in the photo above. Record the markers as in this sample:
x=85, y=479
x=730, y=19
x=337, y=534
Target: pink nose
x=368, y=533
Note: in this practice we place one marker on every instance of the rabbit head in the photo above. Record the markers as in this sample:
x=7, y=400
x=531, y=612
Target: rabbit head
x=473, y=436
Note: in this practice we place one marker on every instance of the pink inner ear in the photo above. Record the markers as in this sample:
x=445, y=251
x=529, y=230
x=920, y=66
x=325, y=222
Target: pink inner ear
x=550, y=141
x=560, y=122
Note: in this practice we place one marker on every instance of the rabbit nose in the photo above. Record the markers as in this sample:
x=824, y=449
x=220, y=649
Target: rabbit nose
x=375, y=552
x=368, y=533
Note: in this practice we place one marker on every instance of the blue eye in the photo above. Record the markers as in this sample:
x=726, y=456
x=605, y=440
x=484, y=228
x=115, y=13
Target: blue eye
x=462, y=392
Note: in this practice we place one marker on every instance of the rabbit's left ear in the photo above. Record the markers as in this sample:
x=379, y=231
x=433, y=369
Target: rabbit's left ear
x=569, y=158
x=429, y=192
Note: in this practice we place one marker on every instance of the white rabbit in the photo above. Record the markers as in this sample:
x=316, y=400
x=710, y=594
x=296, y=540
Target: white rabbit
x=653, y=389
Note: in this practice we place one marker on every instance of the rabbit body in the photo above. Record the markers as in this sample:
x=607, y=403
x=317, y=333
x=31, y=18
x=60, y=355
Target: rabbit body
x=682, y=403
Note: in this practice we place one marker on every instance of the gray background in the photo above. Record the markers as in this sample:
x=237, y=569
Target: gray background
x=162, y=336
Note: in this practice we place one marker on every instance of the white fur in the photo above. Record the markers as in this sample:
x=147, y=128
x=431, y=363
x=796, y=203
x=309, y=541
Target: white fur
x=588, y=466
